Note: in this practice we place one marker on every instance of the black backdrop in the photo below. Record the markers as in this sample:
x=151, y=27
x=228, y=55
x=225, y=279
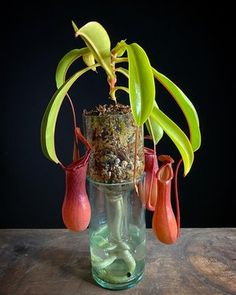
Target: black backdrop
x=188, y=41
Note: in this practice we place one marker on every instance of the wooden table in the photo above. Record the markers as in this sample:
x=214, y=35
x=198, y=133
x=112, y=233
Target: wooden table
x=57, y=262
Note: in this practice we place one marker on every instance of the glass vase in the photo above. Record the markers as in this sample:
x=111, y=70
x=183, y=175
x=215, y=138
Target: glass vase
x=117, y=234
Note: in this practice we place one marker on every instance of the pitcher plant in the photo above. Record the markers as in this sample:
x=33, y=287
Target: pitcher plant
x=123, y=175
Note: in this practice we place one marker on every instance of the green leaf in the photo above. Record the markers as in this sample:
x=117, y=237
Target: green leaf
x=74, y=26
x=186, y=106
x=177, y=136
x=141, y=83
x=50, y=117
x=89, y=60
x=97, y=40
x=154, y=129
x=66, y=62
x=120, y=48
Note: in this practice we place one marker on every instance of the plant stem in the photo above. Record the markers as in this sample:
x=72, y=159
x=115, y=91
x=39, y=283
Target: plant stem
x=120, y=59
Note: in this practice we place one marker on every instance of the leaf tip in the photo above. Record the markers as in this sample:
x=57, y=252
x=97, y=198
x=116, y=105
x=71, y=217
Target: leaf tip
x=187, y=167
x=74, y=26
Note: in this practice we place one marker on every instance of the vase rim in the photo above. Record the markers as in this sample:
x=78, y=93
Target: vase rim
x=116, y=183
x=106, y=115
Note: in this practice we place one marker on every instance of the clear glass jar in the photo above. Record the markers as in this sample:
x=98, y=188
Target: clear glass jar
x=117, y=234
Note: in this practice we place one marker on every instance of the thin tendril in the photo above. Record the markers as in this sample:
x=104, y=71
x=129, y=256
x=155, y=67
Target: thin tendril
x=76, y=141
x=135, y=156
x=177, y=196
x=74, y=115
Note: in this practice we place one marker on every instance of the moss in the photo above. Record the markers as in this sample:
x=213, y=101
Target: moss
x=110, y=130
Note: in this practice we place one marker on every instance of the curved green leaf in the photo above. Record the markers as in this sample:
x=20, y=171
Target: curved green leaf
x=186, y=107
x=141, y=83
x=97, y=40
x=154, y=129
x=66, y=62
x=48, y=123
x=177, y=136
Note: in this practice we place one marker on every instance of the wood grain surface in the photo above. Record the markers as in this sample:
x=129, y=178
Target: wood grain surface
x=57, y=262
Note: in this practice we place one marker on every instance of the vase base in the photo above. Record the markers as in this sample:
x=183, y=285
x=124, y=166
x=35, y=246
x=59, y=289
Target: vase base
x=117, y=286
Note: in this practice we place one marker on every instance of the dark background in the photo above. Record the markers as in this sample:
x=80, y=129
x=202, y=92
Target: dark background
x=190, y=42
